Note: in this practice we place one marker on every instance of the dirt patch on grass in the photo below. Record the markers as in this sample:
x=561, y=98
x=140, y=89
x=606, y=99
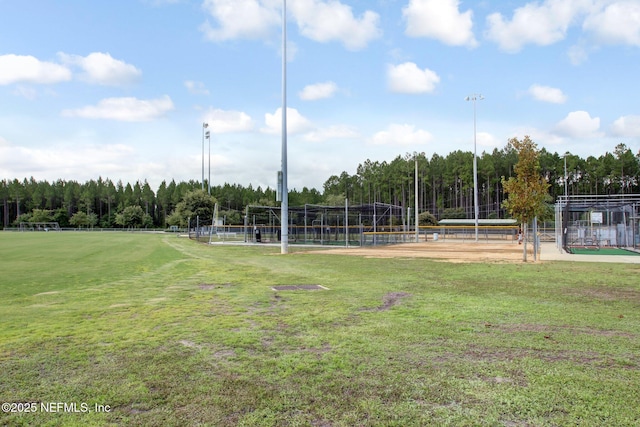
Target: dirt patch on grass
x=548, y=330
x=478, y=354
x=606, y=293
x=389, y=300
x=505, y=252
x=211, y=286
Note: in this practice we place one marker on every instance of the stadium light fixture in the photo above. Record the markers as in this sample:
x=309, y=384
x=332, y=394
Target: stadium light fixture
x=204, y=126
x=474, y=98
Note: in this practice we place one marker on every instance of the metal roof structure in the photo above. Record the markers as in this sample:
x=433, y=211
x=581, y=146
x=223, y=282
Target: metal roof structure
x=471, y=222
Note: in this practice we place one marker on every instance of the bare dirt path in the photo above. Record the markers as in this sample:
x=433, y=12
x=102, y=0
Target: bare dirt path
x=451, y=252
x=469, y=251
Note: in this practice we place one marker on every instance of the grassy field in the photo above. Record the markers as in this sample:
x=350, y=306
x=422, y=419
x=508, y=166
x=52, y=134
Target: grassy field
x=155, y=330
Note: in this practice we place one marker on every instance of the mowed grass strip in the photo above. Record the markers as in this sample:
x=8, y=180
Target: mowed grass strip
x=170, y=332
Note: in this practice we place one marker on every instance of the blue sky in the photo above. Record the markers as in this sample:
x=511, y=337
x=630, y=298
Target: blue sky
x=120, y=89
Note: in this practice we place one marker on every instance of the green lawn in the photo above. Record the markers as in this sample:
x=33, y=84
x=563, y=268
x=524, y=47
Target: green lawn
x=168, y=332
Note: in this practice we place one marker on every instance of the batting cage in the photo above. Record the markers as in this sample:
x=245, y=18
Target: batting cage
x=598, y=221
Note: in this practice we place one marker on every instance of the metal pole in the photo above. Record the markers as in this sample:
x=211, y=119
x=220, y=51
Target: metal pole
x=416, y=197
x=284, y=220
x=474, y=98
x=208, y=136
x=566, y=177
x=475, y=170
x=305, y=223
x=204, y=126
x=346, y=222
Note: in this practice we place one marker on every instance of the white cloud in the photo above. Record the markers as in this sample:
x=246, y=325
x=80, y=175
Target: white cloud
x=332, y=132
x=124, y=109
x=196, y=88
x=578, y=53
x=408, y=78
x=485, y=139
x=27, y=92
x=318, y=91
x=579, y=124
x=618, y=22
x=325, y=21
x=322, y=21
x=627, y=126
x=58, y=161
x=403, y=135
x=296, y=122
x=547, y=94
x=28, y=69
x=101, y=68
x=535, y=23
x=221, y=121
x=248, y=19
x=440, y=20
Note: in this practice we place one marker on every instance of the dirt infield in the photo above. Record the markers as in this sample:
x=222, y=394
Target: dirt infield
x=450, y=252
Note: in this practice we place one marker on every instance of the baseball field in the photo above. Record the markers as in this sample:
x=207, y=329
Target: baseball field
x=153, y=329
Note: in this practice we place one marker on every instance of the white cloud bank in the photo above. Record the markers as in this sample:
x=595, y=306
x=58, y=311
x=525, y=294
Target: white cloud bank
x=96, y=68
x=408, y=78
x=221, y=121
x=440, y=20
x=321, y=21
x=547, y=22
x=325, y=21
x=196, y=88
x=28, y=69
x=617, y=23
x=579, y=124
x=318, y=91
x=239, y=19
x=102, y=69
x=547, y=94
x=124, y=109
x=296, y=122
x=402, y=135
x=627, y=126
x=542, y=24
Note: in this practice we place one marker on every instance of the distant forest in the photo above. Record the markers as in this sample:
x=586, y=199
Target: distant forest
x=445, y=188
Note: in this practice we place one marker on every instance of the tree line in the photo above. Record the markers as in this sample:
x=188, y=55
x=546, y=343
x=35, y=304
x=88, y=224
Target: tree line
x=445, y=189
x=445, y=184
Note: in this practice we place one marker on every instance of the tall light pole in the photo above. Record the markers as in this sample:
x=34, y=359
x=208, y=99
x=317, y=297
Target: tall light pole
x=204, y=126
x=474, y=98
x=207, y=135
x=417, y=215
x=284, y=213
x=566, y=177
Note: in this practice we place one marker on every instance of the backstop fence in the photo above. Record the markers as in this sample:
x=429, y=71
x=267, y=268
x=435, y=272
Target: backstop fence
x=309, y=224
x=358, y=225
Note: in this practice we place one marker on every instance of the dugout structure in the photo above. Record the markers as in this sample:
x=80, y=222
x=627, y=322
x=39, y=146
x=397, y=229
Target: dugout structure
x=596, y=221
x=464, y=229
